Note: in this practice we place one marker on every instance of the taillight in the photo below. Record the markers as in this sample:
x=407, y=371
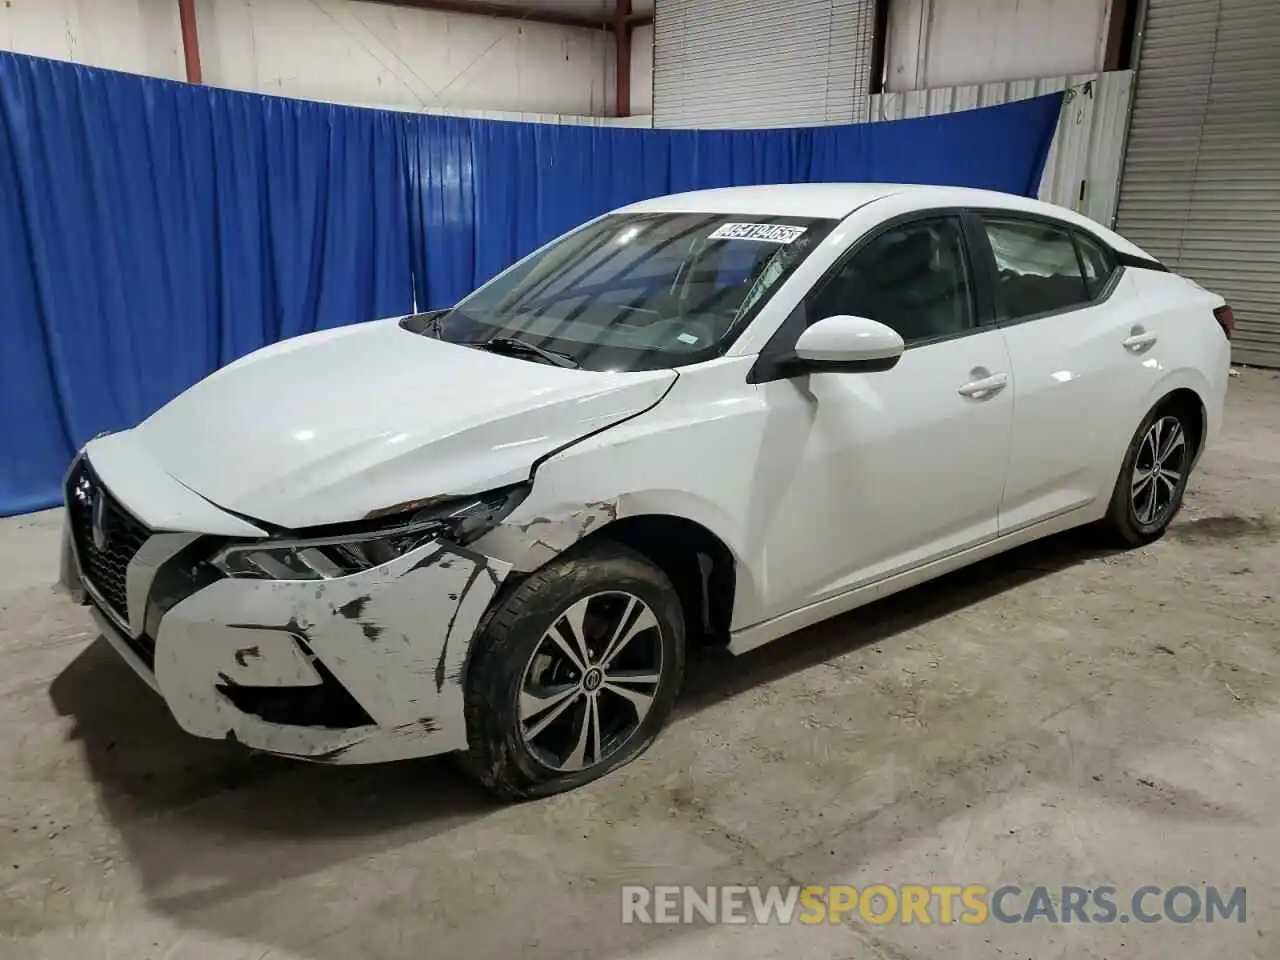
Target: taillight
x=1226, y=320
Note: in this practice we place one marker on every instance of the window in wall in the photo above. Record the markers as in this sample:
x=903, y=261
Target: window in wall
x=1037, y=268
x=913, y=278
x=1098, y=263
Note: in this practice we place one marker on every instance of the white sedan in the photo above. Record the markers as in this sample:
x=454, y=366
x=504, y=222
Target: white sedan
x=712, y=418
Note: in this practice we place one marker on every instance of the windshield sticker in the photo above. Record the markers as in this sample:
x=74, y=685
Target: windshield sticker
x=763, y=232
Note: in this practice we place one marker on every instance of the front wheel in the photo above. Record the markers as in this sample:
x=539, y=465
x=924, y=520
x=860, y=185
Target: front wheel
x=574, y=673
x=1153, y=478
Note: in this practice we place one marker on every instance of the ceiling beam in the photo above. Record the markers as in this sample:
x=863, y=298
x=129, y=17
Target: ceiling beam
x=508, y=11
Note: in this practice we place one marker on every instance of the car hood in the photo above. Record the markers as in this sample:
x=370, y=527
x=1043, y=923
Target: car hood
x=329, y=426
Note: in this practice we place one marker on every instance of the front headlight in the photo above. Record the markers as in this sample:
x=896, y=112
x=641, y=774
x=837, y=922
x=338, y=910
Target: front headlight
x=395, y=533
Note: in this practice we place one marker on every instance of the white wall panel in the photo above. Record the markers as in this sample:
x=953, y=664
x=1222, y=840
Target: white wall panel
x=944, y=43
x=1083, y=169
x=642, y=121
x=336, y=50
x=642, y=70
x=761, y=63
x=353, y=52
x=141, y=36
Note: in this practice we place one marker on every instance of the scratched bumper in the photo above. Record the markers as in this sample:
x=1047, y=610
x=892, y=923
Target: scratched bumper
x=390, y=644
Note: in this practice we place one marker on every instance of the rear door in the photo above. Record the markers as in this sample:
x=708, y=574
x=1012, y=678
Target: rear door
x=1083, y=359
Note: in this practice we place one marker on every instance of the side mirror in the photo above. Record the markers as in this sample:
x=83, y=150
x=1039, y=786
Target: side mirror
x=853, y=344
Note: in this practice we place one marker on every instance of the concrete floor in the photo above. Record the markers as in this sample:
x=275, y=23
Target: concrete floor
x=1054, y=716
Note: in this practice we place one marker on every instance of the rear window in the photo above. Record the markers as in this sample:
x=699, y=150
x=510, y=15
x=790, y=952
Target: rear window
x=1037, y=268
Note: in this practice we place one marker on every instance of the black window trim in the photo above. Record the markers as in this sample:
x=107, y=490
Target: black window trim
x=979, y=215
x=1138, y=263
x=1083, y=235
x=775, y=359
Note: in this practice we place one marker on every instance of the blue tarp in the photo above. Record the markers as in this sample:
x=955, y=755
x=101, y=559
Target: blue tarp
x=485, y=193
x=152, y=231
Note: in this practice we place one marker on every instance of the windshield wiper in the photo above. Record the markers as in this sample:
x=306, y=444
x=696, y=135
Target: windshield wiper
x=510, y=345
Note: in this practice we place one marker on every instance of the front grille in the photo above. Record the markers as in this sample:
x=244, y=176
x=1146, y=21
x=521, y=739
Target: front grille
x=145, y=648
x=106, y=535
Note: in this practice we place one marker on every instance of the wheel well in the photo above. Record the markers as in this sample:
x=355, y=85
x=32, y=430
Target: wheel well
x=700, y=567
x=1188, y=403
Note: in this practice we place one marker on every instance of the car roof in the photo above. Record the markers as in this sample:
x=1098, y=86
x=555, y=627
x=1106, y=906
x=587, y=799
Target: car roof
x=838, y=200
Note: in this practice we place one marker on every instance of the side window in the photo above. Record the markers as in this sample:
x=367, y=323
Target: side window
x=1036, y=268
x=1098, y=263
x=913, y=278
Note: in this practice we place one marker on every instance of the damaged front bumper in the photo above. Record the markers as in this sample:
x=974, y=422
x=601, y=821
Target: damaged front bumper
x=357, y=669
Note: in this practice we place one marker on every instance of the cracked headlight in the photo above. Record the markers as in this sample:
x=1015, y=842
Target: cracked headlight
x=392, y=533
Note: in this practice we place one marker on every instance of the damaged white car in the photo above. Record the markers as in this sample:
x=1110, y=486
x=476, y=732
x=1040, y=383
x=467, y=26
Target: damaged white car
x=712, y=418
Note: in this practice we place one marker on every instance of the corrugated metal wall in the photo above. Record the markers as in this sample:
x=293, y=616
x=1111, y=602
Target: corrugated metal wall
x=1201, y=187
x=1083, y=170
x=761, y=63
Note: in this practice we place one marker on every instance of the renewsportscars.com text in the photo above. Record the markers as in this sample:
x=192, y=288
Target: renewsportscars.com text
x=933, y=904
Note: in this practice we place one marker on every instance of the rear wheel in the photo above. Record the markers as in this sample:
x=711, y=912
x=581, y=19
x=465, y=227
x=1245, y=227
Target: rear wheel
x=574, y=673
x=1148, y=492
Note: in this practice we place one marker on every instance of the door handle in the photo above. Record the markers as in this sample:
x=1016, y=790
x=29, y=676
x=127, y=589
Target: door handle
x=1139, y=340
x=985, y=388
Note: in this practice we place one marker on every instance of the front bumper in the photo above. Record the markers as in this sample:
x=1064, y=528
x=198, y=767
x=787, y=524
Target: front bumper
x=358, y=669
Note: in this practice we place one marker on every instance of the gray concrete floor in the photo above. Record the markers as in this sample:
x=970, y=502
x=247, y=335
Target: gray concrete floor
x=1054, y=716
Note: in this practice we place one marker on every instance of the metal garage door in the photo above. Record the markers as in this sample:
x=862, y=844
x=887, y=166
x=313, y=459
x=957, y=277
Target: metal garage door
x=761, y=63
x=1201, y=185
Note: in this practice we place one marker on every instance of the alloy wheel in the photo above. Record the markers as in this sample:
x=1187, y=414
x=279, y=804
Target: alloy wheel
x=1158, y=471
x=591, y=681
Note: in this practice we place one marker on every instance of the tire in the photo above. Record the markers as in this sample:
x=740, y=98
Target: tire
x=1133, y=520
x=528, y=696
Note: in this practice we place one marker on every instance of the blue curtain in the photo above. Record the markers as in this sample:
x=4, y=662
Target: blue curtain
x=485, y=193
x=152, y=231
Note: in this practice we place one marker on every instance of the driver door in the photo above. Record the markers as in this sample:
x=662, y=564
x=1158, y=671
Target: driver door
x=864, y=475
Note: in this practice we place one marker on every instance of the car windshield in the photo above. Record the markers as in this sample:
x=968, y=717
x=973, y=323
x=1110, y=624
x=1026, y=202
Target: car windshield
x=633, y=291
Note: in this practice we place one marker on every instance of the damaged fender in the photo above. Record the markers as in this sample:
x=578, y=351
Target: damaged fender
x=396, y=637
x=528, y=544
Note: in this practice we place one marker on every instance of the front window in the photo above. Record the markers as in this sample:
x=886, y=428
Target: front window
x=914, y=278
x=637, y=291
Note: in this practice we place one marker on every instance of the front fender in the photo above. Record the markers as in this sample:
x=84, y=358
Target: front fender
x=537, y=533
x=693, y=456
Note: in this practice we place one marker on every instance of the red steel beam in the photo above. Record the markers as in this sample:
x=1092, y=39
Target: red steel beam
x=507, y=11
x=622, y=31
x=190, y=40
